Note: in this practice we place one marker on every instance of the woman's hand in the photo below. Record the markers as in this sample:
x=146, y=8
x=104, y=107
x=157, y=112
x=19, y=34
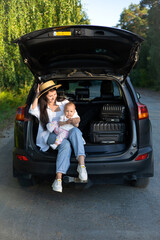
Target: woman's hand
x=35, y=102
x=61, y=123
x=38, y=90
x=74, y=121
x=69, y=121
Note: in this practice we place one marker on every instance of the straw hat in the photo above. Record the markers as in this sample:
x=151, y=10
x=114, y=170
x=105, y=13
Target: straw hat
x=47, y=86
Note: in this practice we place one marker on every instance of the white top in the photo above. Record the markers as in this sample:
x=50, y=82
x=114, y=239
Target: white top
x=42, y=136
x=64, y=119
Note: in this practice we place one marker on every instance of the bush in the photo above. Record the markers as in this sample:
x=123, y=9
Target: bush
x=9, y=101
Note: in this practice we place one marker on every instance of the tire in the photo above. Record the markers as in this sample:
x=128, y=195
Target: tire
x=15, y=173
x=140, y=182
x=26, y=180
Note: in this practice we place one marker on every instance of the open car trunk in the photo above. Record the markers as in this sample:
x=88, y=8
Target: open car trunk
x=105, y=118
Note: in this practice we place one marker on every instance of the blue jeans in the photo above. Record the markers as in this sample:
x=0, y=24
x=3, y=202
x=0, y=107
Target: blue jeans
x=64, y=149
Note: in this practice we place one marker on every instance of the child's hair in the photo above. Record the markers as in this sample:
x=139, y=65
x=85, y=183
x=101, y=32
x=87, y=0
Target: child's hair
x=69, y=104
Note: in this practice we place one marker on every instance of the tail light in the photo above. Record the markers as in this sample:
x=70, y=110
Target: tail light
x=142, y=111
x=142, y=157
x=20, y=113
x=22, y=157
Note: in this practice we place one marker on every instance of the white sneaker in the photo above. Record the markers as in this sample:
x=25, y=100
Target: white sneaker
x=53, y=146
x=57, y=185
x=81, y=169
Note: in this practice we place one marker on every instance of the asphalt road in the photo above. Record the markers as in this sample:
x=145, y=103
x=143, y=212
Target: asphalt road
x=101, y=212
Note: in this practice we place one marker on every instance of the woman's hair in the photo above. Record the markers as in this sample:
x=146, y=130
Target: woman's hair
x=44, y=119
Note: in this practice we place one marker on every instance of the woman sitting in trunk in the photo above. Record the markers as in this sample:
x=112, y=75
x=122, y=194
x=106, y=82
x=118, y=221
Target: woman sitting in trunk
x=68, y=120
x=47, y=108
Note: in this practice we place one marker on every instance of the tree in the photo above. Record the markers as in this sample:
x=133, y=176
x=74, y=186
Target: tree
x=134, y=19
x=69, y=12
x=144, y=19
x=153, y=39
x=18, y=17
x=149, y=3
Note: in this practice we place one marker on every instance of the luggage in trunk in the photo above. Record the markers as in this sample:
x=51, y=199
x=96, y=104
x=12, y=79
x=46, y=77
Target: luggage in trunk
x=104, y=132
x=113, y=113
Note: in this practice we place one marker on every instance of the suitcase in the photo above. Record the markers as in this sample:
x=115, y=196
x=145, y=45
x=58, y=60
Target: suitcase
x=104, y=132
x=113, y=113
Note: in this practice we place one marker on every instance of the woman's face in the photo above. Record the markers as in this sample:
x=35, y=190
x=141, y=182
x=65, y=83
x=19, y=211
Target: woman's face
x=51, y=96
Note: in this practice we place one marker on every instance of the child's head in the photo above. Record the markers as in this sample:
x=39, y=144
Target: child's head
x=69, y=109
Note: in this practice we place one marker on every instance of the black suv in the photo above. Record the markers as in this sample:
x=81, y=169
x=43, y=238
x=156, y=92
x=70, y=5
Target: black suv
x=92, y=63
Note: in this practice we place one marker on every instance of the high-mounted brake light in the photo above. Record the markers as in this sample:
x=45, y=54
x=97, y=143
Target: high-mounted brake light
x=22, y=157
x=142, y=157
x=20, y=113
x=142, y=111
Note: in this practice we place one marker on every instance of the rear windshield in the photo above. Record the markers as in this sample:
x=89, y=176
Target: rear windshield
x=90, y=90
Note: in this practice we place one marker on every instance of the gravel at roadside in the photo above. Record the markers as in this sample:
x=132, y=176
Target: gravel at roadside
x=6, y=134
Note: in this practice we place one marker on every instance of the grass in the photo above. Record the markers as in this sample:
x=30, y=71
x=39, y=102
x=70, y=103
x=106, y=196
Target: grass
x=9, y=101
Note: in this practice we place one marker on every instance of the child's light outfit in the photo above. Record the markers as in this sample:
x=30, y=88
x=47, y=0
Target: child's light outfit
x=62, y=131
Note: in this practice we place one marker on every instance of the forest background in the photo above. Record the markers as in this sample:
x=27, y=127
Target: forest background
x=18, y=17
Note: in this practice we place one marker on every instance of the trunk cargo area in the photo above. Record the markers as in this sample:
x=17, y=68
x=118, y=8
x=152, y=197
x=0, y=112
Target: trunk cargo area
x=105, y=119
x=102, y=136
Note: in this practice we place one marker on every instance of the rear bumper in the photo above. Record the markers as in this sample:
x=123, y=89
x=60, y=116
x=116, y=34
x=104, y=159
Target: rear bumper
x=142, y=168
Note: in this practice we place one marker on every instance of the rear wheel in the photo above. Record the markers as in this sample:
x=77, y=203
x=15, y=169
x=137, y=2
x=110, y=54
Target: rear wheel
x=140, y=182
x=26, y=180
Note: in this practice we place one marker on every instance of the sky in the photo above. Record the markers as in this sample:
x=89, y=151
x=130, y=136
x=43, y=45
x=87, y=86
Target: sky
x=105, y=12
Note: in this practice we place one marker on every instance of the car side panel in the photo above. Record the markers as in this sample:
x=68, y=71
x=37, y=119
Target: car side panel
x=144, y=133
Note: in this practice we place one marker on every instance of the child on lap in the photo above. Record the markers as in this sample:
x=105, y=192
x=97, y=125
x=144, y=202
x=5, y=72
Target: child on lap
x=68, y=120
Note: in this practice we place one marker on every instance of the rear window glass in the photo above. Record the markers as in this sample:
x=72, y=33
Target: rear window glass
x=90, y=89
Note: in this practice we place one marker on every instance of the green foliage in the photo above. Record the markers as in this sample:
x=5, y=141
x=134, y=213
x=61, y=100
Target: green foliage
x=153, y=40
x=134, y=19
x=18, y=17
x=144, y=19
x=9, y=101
x=149, y=3
x=139, y=75
x=69, y=12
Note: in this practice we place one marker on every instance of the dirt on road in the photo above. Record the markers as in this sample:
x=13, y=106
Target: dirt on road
x=6, y=134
